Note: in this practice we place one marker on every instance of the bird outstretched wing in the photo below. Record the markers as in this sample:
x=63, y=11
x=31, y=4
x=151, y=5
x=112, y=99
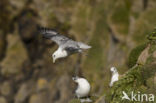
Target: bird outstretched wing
x=71, y=50
x=71, y=47
x=53, y=35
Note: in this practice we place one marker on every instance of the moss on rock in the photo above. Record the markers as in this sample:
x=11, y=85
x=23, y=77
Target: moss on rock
x=144, y=25
x=119, y=18
x=93, y=98
x=134, y=54
x=152, y=36
x=74, y=101
x=134, y=81
x=139, y=78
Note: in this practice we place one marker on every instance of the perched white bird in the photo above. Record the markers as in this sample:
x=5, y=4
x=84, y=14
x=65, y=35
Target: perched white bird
x=83, y=89
x=115, y=76
x=66, y=46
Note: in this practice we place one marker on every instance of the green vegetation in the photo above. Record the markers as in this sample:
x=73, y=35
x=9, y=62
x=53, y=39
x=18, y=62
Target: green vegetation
x=134, y=54
x=144, y=25
x=120, y=16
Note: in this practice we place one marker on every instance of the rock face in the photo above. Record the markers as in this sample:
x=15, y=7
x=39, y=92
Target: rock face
x=117, y=30
x=6, y=89
x=23, y=93
x=16, y=56
x=4, y=22
x=2, y=44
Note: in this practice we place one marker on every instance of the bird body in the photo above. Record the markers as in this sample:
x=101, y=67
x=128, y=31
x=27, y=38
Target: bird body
x=83, y=87
x=115, y=76
x=66, y=46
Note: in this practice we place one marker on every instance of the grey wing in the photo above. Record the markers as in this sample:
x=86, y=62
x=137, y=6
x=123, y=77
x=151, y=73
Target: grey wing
x=71, y=47
x=53, y=35
x=60, y=39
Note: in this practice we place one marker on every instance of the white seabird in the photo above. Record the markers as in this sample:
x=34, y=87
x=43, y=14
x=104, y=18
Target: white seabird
x=83, y=89
x=115, y=76
x=66, y=46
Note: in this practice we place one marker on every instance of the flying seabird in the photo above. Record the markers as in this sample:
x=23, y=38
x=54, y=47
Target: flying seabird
x=66, y=45
x=115, y=76
x=83, y=89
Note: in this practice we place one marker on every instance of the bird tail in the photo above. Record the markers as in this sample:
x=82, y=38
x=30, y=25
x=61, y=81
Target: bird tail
x=83, y=46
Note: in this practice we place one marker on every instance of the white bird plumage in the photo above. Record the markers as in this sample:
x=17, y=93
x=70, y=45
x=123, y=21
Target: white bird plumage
x=115, y=76
x=59, y=53
x=66, y=46
x=83, y=89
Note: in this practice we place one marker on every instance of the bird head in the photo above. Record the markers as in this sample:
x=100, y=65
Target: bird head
x=75, y=79
x=80, y=81
x=54, y=56
x=113, y=69
x=59, y=54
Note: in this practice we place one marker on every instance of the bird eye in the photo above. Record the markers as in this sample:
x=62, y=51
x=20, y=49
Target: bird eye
x=54, y=55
